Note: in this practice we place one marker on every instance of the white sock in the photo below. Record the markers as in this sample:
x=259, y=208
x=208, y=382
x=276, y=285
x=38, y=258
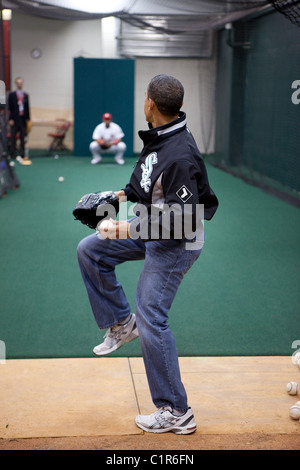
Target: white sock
x=177, y=413
x=126, y=320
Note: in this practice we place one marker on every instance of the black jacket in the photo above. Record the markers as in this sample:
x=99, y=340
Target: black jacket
x=13, y=107
x=170, y=173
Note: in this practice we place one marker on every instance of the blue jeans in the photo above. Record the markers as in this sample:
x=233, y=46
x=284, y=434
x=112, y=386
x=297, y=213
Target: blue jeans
x=165, y=264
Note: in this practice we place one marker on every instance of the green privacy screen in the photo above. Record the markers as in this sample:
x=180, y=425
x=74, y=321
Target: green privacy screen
x=257, y=115
x=102, y=85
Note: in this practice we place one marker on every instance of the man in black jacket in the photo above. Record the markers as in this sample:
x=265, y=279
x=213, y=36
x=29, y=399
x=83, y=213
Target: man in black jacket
x=170, y=185
x=18, y=117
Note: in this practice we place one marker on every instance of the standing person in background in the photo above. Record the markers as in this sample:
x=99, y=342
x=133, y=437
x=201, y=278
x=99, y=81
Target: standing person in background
x=18, y=119
x=107, y=138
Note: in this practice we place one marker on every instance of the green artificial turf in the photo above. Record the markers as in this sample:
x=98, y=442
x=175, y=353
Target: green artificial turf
x=240, y=298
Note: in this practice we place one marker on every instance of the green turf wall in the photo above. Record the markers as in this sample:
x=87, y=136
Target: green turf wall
x=257, y=114
x=102, y=85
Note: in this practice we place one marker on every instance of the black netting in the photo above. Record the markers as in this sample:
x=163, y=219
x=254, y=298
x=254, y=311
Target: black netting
x=258, y=106
x=206, y=10
x=289, y=8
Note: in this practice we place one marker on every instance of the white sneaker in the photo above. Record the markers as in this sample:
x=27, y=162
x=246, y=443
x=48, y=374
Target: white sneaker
x=96, y=159
x=116, y=336
x=119, y=160
x=163, y=421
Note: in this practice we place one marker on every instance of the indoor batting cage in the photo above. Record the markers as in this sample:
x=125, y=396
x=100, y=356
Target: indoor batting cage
x=204, y=98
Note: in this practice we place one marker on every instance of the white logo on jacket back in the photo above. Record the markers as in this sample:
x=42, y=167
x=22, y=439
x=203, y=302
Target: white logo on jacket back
x=147, y=169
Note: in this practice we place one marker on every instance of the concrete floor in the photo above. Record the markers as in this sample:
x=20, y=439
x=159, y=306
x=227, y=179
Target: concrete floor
x=101, y=396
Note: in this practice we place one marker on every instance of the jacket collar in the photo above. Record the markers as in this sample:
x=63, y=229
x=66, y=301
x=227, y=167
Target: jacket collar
x=177, y=124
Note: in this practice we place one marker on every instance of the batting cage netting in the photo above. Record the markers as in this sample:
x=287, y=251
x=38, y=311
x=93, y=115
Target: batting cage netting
x=289, y=8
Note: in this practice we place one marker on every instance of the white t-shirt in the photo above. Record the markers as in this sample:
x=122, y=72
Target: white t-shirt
x=110, y=133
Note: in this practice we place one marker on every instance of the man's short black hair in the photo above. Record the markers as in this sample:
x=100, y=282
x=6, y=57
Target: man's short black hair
x=167, y=93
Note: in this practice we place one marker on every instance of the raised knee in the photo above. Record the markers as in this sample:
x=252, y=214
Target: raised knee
x=94, y=145
x=80, y=248
x=84, y=246
x=122, y=146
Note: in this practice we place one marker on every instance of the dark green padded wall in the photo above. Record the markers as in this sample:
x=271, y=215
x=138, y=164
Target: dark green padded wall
x=102, y=85
x=271, y=120
x=223, y=100
x=257, y=124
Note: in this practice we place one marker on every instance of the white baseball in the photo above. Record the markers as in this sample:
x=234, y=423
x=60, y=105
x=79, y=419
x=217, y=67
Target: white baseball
x=292, y=388
x=61, y=179
x=295, y=411
x=106, y=225
x=296, y=357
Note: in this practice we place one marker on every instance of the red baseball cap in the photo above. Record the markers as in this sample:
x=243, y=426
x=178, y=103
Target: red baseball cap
x=106, y=116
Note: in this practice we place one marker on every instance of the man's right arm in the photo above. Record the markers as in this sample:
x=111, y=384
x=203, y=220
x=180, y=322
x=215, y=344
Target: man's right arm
x=10, y=107
x=120, y=195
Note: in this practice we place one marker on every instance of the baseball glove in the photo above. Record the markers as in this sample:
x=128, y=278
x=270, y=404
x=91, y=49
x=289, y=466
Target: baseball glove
x=104, y=144
x=94, y=207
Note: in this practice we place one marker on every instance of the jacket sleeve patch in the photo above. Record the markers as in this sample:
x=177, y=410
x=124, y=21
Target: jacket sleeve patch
x=184, y=194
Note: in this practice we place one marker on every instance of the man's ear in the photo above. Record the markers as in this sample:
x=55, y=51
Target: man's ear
x=151, y=104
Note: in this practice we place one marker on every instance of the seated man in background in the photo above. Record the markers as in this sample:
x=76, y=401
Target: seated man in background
x=107, y=138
